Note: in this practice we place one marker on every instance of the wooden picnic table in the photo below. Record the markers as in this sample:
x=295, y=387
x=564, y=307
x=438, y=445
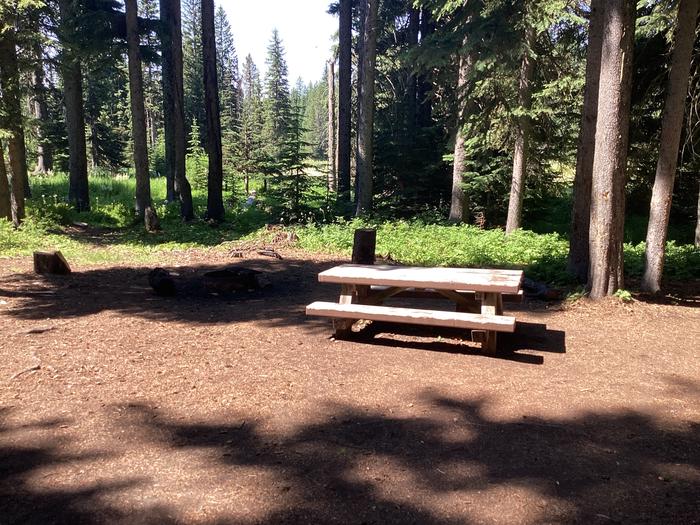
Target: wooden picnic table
x=477, y=293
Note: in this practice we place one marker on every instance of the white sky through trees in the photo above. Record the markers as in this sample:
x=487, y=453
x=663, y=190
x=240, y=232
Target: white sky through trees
x=305, y=27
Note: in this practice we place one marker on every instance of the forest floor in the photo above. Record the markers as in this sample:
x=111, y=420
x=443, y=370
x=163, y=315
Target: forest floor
x=118, y=406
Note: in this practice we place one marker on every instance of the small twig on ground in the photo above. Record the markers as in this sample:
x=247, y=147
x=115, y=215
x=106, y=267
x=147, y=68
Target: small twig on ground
x=269, y=253
x=32, y=368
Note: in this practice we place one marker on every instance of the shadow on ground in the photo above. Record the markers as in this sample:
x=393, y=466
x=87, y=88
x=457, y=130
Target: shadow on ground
x=362, y=467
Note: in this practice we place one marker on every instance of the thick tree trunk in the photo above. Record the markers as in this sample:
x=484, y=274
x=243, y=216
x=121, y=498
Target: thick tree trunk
x=332, y=174
x=174, y=104
x=458, y=208
x=697, y=225
x=581, y=213
x=610, y=161
x=215, y=200
x=78, y=189
x=671, y=127
x=138, y=114
x=5, y=205
x=522, y=135
x=344, y=100
x=12, y=122
x=365, y=116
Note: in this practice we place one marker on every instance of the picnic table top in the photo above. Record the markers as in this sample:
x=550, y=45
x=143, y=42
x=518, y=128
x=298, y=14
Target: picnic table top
x=471, y=279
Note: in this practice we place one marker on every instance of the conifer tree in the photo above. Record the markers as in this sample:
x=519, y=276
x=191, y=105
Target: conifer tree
x=252, y=119
x=276, y=101
x=192, y=66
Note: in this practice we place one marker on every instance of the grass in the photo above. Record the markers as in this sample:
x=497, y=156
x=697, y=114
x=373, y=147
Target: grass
x=114, y=238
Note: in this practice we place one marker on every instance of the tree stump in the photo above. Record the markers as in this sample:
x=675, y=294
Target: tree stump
x=51, y=263
x=364, y=246
x=162, y=282
x=231, y=280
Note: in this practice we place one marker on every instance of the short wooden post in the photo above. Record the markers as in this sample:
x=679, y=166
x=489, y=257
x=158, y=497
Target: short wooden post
x=364, y=246
x=51, y=262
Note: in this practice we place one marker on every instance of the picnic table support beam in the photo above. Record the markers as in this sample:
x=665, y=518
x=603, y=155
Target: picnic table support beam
x=348, y=293
x=491, y=304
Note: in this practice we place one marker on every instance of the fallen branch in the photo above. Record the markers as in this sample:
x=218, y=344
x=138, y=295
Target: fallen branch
x=32, y=368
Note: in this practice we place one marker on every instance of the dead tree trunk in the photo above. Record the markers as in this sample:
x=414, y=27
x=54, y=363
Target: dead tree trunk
x=610, y=161
x=174, y=103
x=671, y=127
x=332, y=179
x=522, y=135
x=458, y=208
x=215, y=200
x=12, y=122
x=344, y=100
x=138, y=116
x=581, y=213
x=365, y=116
x=5, y=206
x=78, y=188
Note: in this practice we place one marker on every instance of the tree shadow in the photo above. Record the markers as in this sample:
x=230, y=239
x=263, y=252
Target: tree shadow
x=23, y=501
x=362, y=467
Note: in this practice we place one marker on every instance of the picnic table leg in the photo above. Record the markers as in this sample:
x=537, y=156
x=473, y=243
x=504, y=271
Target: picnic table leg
x=348, y=293
x=492, y=304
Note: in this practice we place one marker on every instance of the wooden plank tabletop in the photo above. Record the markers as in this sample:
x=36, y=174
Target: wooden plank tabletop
x=472, y=279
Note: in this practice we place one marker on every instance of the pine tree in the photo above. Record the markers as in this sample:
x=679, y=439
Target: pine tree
x=192, y=66
x=276, y=100
x=292, y=180
x=252, y=119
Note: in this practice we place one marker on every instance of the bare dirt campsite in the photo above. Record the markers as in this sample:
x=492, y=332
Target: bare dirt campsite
x=119, y=406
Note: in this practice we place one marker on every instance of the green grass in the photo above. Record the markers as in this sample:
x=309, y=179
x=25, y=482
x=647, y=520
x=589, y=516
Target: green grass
x=114, y=238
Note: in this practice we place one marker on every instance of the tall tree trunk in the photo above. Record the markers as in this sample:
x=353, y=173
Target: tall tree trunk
x=365, y=117
x=12, y=122
x=697, y=225
x=44, y=157
x=522, y=135
x=5, y=205
x=425, y=106
x=581, y=213
x=458, y=208
x=332, y=178
x=610, y=161
x=344, y=100
x=671, y=127
x=138, y=113
x=215, y=200
x=174, y=104
x=78, y=189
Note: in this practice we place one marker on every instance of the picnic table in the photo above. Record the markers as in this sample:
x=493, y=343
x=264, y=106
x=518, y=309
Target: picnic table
x=478, y=295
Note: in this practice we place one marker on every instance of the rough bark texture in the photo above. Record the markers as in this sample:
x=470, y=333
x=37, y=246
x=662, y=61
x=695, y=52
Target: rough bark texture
x=344, y=99
x=12, y=122
x=78, y=189
x=581, y=213
x=5, y=206
x=138, y=113
x=44, y=156
x=671, y=127
x=458, y=207
x=174, y=103
x=167, y=78
x=365, y=116
x=522, y=135
x=332, y=174
x=610, y=161
x=215, y=200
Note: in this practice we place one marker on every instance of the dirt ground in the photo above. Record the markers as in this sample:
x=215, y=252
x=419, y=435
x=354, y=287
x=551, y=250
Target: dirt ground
x=238, y=409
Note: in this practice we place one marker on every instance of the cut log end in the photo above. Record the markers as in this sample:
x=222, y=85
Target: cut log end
x=51, y=263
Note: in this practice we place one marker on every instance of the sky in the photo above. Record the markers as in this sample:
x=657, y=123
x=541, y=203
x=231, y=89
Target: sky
x=305, y=27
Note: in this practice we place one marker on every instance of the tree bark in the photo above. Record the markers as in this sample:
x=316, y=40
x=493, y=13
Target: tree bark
x=78, y=188
x=610, y=160
x=697, y=225
x=12, y=122
x=365, y=117
x=344, y=100
x=138, y=114
x=671, y=127
x=458, y=209
x=174, y=104
x=332, y=174
x=425, y=105
x=522, y=135
x=5, y=205
x=44, y=157
x=215, y=200
x=581, y=213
